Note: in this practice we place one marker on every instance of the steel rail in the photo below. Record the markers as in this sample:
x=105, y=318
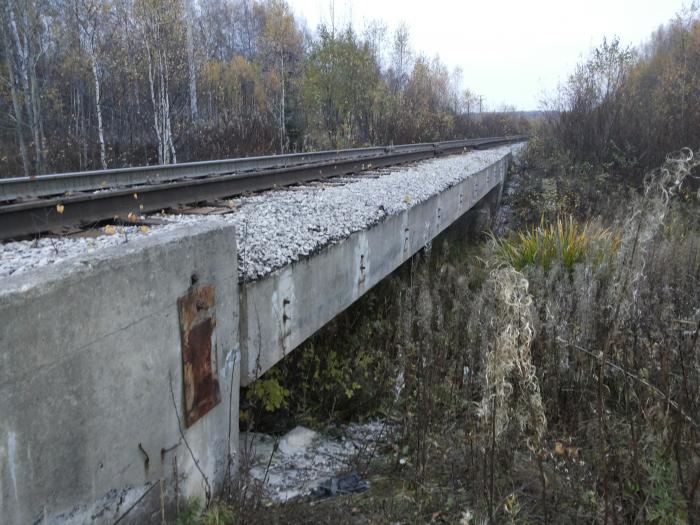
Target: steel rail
x=32, y=217
x=15, y=188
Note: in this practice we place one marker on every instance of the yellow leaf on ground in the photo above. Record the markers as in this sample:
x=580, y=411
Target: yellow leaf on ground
x=144, y=229
x=110, y=230
x=559, y=449
x=60, y=208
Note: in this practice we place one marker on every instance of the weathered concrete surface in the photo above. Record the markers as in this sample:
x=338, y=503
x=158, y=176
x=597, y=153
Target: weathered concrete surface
x=91, y=364
x=89, y=352
x=283, y=309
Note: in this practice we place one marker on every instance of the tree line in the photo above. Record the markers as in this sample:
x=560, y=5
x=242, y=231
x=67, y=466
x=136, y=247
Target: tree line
x=90, y=84
x=626, y=108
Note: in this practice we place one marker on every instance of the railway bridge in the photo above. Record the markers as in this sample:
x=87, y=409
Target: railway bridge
x=124, y=344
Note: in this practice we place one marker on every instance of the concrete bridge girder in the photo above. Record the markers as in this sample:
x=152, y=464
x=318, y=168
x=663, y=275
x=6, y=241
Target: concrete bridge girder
x=283, y=309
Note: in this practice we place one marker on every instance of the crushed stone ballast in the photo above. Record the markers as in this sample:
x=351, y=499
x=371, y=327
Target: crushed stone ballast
x=277, y=227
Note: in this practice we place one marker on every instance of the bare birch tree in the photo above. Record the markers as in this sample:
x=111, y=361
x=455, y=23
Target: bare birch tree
x=281, y=41
x=88, y=13
x=156, y=25
x=191, y=58
x=13, y=83
x=23, y=22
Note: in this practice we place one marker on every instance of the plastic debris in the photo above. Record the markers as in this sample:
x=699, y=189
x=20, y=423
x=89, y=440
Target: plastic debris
x=349, y=484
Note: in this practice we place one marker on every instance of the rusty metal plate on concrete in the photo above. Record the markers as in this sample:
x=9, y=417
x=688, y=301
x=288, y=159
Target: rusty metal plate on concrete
x=200, y=383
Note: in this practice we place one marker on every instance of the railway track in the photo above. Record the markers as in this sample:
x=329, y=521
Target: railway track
x=54, y=203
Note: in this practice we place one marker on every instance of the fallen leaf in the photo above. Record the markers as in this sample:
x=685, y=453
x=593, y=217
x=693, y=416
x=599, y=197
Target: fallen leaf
x=60, y=208
x=559, y=449
x=144, y=229
x=110, y=230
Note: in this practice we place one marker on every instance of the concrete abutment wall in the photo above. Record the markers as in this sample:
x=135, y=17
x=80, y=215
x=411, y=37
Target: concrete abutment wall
x=89, y=354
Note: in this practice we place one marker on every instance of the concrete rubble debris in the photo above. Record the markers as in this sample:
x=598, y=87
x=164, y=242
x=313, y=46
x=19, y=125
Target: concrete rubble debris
x=304, y=462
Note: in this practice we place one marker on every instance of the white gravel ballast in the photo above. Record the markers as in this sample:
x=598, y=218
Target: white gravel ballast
x=280, y=226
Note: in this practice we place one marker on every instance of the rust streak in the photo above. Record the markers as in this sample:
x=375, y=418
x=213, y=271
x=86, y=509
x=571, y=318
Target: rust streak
x=200, y=382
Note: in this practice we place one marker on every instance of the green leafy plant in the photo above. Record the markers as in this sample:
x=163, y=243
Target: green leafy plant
x=270, y=393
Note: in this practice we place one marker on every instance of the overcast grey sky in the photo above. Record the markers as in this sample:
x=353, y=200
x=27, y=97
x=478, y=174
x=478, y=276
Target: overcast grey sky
x=510, y=51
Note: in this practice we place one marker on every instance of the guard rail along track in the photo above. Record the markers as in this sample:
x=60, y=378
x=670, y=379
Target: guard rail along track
x=52, y=203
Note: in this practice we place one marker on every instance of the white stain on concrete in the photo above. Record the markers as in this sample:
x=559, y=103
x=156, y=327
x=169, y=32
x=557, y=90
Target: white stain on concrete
x=361, y=262
x=284, y=308
x=2, y=469
x=232, y=358
x=12, y=459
